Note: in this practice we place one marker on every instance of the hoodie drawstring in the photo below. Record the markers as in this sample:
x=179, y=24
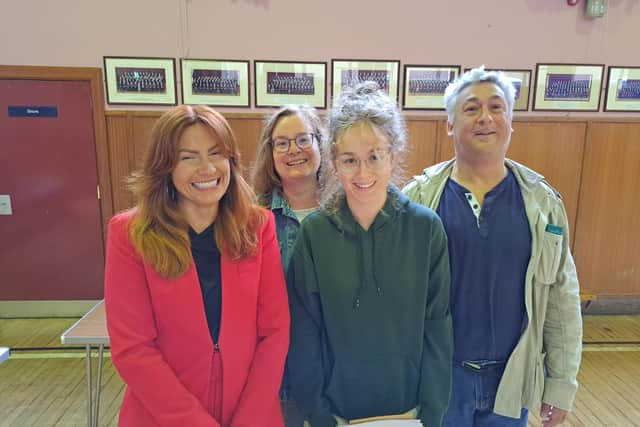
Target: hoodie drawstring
x=356, y=301
x=361, y=265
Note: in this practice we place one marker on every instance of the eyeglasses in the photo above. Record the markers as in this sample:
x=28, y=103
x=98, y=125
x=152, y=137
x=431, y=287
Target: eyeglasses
x=303, y=141
x=348, y=163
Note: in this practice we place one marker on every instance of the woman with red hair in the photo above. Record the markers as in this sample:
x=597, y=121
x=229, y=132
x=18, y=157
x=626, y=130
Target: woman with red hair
x=196, y=303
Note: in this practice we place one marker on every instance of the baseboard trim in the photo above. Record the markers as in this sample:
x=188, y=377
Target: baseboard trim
x=612, y=305
x=42, y=308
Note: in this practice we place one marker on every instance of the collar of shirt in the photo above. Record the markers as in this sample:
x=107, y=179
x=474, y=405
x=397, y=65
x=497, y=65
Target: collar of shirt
x=204, y=241
x=278, y=202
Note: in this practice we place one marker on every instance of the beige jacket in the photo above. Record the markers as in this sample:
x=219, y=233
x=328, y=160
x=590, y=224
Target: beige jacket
x=545, y=362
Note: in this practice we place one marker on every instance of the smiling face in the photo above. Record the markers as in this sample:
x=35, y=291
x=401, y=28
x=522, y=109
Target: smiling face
x=481, y=125
x=295, y=164
x=201, y=174
x=364, y=166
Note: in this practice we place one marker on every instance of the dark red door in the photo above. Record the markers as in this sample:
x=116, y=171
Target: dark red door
x=51, y=244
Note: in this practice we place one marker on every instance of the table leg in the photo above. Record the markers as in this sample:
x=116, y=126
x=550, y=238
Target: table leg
x=89, y=387
x=96, y=414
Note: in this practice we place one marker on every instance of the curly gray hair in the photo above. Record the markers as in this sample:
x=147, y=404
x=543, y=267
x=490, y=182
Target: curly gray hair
x=366, y=104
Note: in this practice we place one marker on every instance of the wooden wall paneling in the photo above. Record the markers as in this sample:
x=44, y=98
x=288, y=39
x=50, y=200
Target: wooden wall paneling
x=555, y=150
x=422, y=137
x=140, y=135
x=247, y=131
x=607, y=237
x=606, y=243
x=119, y=131
x=552, y=147
x=444, y=148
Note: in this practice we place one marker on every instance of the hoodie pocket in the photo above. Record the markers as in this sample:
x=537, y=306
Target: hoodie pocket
x=373, y=386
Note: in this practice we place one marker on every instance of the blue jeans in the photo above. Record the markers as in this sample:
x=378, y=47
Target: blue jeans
x=472, y=398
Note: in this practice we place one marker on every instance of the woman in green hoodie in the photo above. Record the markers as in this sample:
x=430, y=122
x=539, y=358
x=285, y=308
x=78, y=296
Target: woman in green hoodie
x=369, y=281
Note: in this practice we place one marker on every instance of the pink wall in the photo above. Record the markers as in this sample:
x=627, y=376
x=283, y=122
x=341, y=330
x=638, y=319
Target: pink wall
x=498, y=33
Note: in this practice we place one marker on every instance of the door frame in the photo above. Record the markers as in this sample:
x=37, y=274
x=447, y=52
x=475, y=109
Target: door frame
x=94, y=77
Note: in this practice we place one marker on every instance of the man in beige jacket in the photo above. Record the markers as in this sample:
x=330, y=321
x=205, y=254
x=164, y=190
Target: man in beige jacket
x=514, y=295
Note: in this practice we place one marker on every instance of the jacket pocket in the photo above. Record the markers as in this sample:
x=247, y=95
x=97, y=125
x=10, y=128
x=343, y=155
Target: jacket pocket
x=538, y=380
x=549, y=257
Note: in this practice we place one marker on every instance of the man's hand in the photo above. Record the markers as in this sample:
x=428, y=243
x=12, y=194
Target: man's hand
x=552, y=416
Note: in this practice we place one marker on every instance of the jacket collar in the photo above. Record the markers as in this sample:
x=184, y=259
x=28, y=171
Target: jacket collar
x=278, y=202
x=527, y=178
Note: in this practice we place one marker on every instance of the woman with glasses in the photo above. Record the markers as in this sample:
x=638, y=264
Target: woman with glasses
x=286, y=182
x=369, y=281
x=285, y=176
x=195, y=297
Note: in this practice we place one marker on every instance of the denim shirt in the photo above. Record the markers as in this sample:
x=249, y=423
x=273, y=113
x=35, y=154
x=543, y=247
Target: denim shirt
x=287, y=226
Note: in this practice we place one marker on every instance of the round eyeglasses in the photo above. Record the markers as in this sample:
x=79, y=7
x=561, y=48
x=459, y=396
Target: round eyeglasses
x=303, y=141
x=349, y=163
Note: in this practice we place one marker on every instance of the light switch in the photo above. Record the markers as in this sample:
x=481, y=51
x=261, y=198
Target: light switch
x=5, y=204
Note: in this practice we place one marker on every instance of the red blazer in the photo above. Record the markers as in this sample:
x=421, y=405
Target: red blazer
x=162, y=349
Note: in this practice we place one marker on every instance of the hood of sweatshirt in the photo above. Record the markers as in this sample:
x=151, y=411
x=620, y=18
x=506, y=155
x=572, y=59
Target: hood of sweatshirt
x=368, y=241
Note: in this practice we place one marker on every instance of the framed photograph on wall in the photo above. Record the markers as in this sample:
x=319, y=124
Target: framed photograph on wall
x=348, y=72
x=623, y=89
x=280, y=82
x=141, y=81
x=424, y=85
x=521, y=80
x=568, y=87
x=215, y=82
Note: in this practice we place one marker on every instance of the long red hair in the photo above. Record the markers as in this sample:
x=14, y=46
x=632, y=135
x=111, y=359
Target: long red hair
x=158, y=230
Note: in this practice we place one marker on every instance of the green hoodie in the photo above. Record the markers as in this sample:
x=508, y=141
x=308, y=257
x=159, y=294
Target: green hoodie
x=370, y=325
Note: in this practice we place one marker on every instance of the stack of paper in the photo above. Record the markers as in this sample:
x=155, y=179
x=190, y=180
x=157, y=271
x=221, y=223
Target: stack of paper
x=391, y=423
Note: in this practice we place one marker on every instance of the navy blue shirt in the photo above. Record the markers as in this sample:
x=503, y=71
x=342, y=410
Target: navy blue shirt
x=489, y=250
x=207, y=259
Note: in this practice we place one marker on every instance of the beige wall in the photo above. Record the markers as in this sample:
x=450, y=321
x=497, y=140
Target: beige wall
x=498, y=33
x=521, y=33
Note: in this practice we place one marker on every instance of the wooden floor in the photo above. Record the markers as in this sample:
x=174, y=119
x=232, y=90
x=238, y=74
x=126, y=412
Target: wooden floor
x=44, y=384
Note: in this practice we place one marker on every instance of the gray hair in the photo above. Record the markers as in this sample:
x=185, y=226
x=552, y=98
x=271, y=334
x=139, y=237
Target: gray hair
x=365, y=104
x=477, y=76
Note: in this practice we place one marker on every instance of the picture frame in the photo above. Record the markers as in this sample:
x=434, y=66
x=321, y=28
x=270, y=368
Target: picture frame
x=346, y=72
x=283, y=82
x=140, y=80
x=424, y=85
x=623, y=89
x=215, y=82
x=521, y=80
x=568, y=87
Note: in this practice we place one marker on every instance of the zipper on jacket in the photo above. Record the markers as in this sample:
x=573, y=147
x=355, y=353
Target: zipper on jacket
x=218, y=393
